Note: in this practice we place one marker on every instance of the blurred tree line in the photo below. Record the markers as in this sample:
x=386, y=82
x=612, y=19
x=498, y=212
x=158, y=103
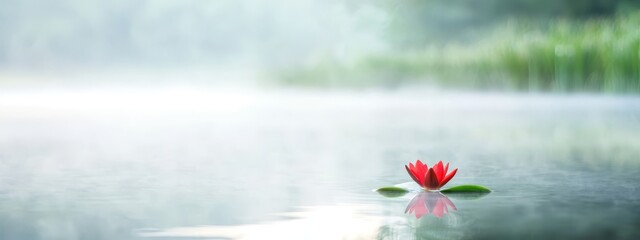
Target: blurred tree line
x=414, y=23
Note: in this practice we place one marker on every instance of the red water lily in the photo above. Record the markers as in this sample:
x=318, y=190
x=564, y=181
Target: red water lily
x=430, y=178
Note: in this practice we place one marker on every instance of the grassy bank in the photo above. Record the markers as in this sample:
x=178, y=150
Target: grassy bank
x=600, y=55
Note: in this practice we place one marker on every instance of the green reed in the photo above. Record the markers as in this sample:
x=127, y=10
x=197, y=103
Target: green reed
x=599, y=55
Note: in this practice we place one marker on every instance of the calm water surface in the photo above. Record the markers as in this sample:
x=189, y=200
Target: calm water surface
x=213, y=164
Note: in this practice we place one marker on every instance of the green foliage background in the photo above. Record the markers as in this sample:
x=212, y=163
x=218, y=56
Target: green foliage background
x=523, y=45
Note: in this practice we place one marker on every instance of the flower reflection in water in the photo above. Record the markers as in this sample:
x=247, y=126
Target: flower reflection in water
x=433, y=203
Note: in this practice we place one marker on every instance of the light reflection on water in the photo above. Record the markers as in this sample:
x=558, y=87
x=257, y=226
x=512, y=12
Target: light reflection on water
x=320, y=222
x=128, y=164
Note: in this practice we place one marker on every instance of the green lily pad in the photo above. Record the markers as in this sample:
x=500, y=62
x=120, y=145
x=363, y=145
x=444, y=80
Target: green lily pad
x=392, y=191
x=466, y=189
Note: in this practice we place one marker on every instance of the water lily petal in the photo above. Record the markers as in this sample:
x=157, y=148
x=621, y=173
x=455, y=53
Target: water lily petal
x=421, y=167
x=413, y=176
x=448, y=177
x=421, y=170
x=417, y=172
x=439, y=169
x=446, y=168
x=431, y=180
